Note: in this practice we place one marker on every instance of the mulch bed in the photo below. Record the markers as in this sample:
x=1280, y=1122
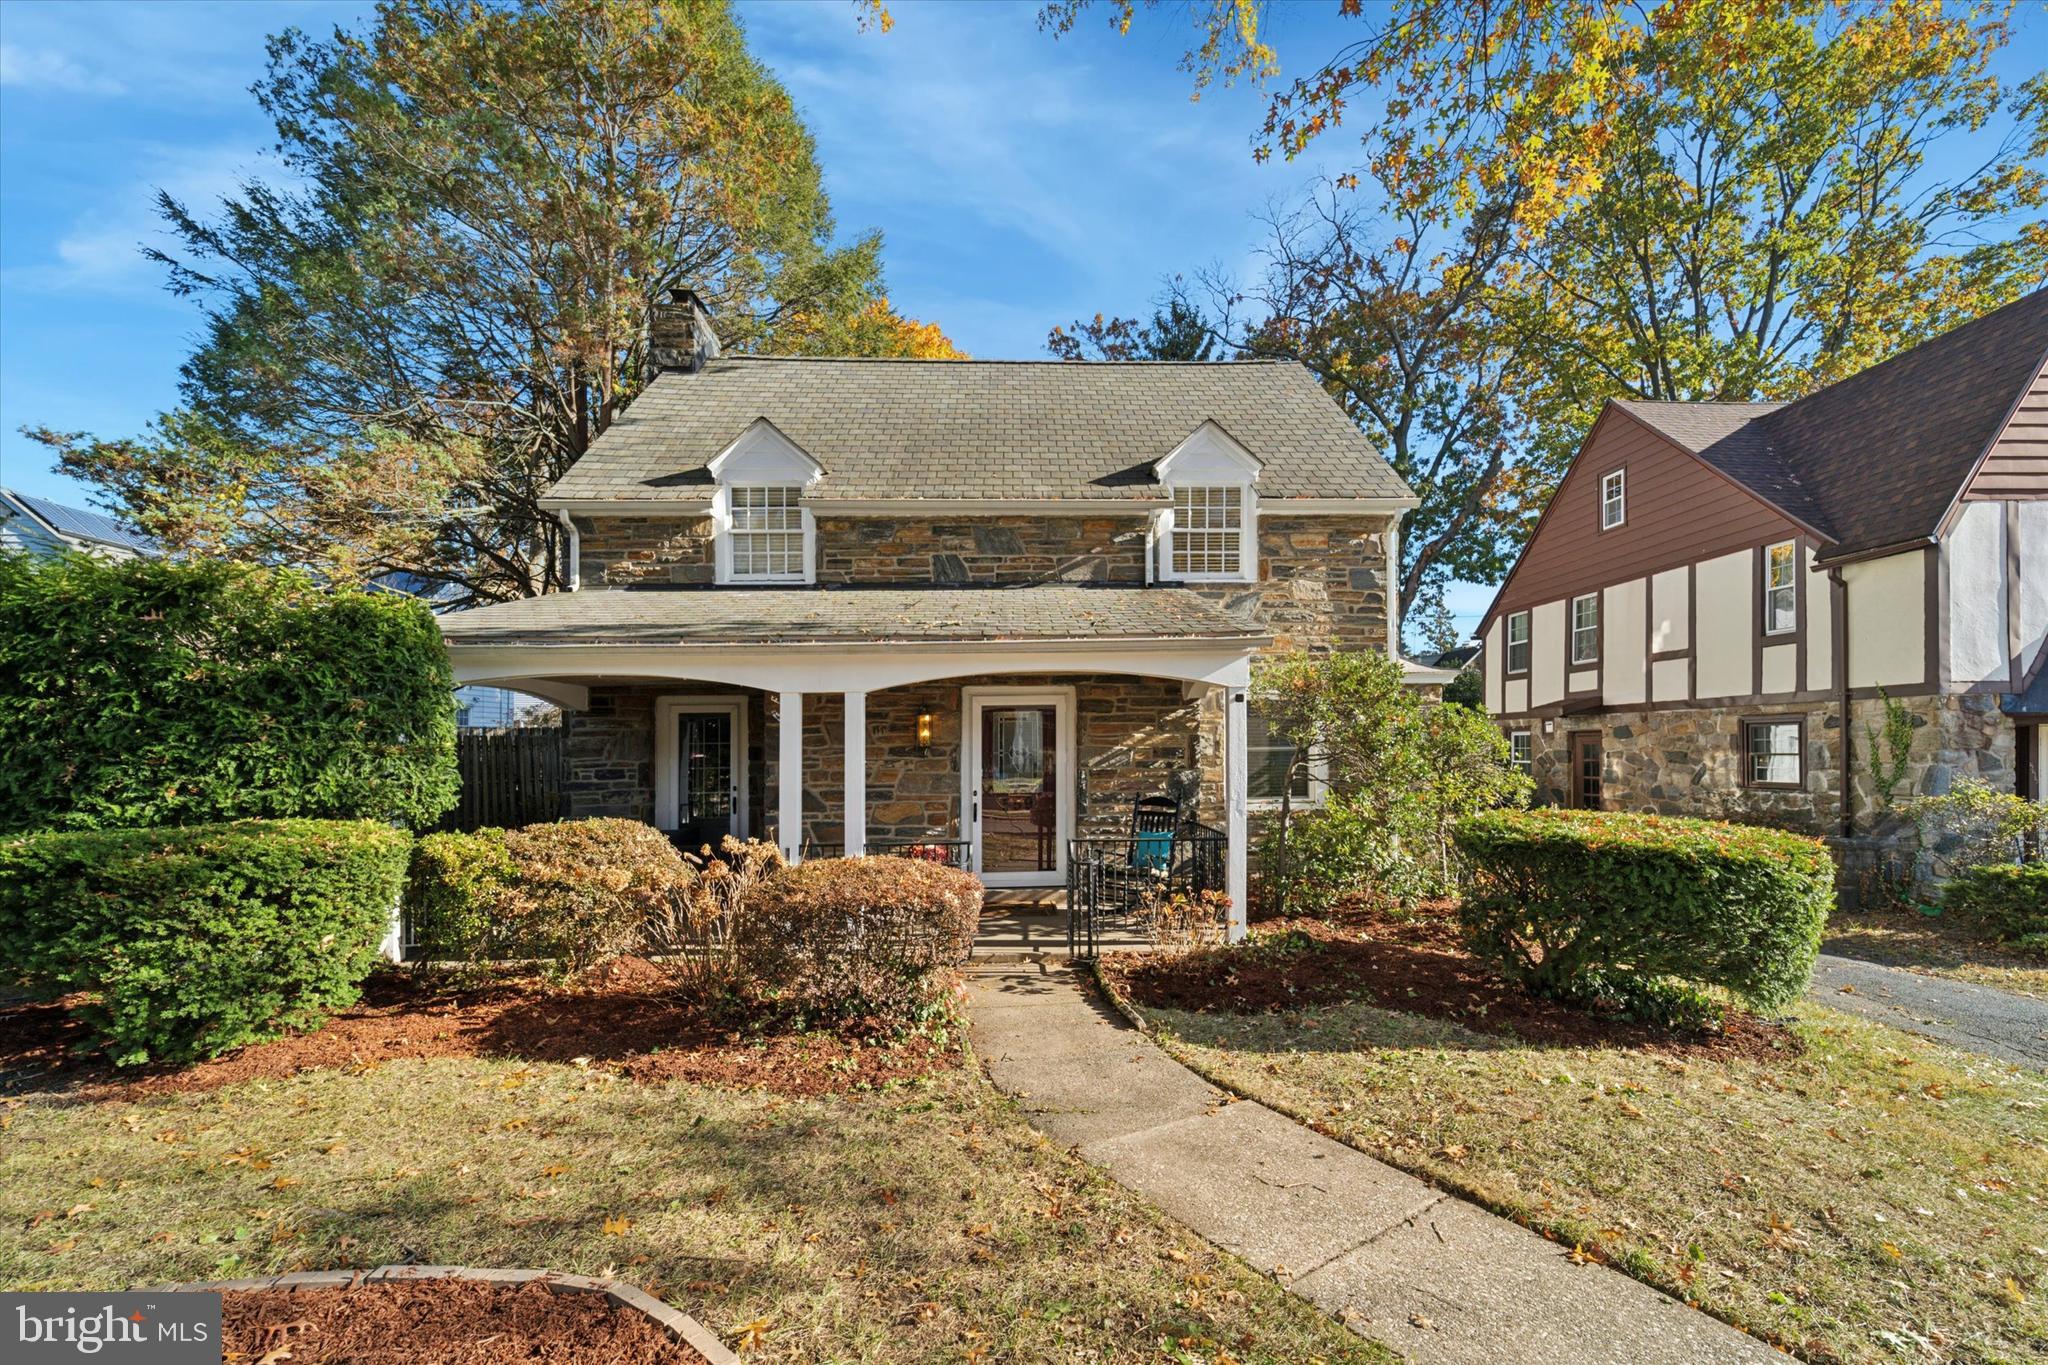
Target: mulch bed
x=629, y=1023
x=449, y=1322
x=1411, y=963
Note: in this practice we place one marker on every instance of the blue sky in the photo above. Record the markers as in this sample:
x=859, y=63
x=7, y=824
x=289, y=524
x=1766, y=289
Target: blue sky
x=1019, y=182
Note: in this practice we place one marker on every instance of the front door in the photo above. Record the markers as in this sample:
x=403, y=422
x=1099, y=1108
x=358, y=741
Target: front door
x=1019, y=786
x=700, y=788
x=1585, y=770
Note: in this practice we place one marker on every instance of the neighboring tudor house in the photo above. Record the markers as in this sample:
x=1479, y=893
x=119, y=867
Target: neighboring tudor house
x=41, y=527
x=965, y=600
x=1715, y=584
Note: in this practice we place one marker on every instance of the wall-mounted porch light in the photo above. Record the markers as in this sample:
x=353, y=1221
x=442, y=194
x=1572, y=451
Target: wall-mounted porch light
x=924, y=732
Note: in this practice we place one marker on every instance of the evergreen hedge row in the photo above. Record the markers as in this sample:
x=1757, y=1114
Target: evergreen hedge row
x=184, y=943
x=2009, y=900
x=158, y=693
x=1592, y=904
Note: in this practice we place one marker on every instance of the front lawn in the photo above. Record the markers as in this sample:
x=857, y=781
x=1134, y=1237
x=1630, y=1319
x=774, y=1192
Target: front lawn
x=908, y=1215
x=1848, y=1190
x=1939, y=945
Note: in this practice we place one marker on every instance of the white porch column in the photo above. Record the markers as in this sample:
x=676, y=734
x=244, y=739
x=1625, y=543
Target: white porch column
x=789, y=775
x=856, y=774
x=1235, y=782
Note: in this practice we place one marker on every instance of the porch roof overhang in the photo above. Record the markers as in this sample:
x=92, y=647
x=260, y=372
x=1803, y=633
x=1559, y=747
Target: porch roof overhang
x=820, y=640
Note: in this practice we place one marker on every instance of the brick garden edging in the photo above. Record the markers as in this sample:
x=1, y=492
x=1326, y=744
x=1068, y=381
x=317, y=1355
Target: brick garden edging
x=677, y=1324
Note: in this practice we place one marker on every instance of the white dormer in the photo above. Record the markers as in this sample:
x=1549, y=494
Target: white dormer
x=764, y=533
x=1210, y=534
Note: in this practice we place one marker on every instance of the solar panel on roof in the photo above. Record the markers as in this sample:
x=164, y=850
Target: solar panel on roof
x=76, y=521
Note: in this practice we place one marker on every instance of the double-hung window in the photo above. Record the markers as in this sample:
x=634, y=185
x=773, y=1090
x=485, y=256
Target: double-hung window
x=1586, y=629
x=767, y=533
x=1519, y=750
x=1208, y=532
x=1613, y=499
x=1773, y=753
x=1272, y=766
x=1781, y=589
x=1518, y=642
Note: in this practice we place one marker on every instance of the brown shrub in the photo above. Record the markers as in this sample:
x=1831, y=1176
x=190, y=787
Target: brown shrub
x=848, y=937
x=697, y=934
x=583, y=891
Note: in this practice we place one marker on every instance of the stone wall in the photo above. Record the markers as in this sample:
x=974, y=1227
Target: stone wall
x=613, y=552
x=957, y=551
x=1131, y=735
x=1322, y=584
x=1689, y=761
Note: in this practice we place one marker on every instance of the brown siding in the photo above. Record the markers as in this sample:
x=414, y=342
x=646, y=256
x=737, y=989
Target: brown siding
x=1678, y=512
x=2017, y=466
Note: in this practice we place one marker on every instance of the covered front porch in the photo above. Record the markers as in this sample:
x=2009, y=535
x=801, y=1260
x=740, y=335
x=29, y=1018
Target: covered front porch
x=1024, y=734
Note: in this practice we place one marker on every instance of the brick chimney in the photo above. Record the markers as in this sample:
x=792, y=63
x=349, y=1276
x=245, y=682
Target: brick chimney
x=679, y=333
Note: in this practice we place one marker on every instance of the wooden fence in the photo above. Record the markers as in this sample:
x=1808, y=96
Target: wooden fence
x=509, y=778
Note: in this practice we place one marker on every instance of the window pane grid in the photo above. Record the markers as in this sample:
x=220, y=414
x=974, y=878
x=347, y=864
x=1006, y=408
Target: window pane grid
x=1518, y=750
x=1585, y=630
x=1611, y=500
x=1774, y=757
x=1270, y=764
x=1207, y=523
x=767, y=532
x=1518, y=642
x=1781, y=589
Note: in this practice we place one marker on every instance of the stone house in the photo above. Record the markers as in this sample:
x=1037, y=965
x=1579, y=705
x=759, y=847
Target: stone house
x=848, y=605
x=1719, y=591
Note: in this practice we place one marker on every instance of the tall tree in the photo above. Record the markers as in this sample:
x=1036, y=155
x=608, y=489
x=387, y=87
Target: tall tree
x=1179, y=330
x=417, y=331
x=1689, y=199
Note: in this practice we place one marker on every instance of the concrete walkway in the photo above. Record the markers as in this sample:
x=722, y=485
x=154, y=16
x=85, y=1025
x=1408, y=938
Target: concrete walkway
x=2012, y=1028
x=1392, y=1258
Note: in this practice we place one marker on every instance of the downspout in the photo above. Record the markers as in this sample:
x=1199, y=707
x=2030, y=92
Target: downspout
x=572, y=568
x=1839, y=590
x=1393, y=542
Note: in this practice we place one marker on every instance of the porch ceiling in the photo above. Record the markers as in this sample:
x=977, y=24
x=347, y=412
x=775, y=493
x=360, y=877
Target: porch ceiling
x=1048, y=614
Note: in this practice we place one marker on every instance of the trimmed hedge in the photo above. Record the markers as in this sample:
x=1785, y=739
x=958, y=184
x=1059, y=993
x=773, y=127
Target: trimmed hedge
x=1591, y=904
x=575, y=892
x=2011, y=901
x=157, y=693
x=845, y=938
x=188, y=942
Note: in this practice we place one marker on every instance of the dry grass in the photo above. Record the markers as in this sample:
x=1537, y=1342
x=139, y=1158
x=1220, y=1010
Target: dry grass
x=1878, y=1198
x=1939, y=945
x=923, y=1222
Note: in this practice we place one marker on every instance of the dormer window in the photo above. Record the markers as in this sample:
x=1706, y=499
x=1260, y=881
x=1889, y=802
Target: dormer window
x=767, y=534
x=1208, y=533
x=1209, y=530
x=1613, y=499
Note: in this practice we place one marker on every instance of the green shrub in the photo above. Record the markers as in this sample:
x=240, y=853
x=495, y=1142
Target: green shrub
x=575, y=893
x=842, y=938
x=185, y=943
x=1589, y=904
x=2010, y=901
x=1332, y=851
x=1972, y=824
x=455, y=891
x=157, y=693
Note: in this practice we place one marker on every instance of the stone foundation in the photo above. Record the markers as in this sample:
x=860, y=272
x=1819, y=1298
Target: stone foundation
x=1689, y=761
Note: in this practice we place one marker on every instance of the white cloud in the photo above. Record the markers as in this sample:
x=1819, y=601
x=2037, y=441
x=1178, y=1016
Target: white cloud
x=102, y=249
x=47, y=69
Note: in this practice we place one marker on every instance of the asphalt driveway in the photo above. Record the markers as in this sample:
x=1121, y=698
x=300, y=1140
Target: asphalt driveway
x=2012, y=1028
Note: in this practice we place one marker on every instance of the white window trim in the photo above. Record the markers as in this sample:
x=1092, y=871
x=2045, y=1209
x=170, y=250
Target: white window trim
x=1527, y=763
x=1573, y=625
x=1507, y=658
x=1618, y=478
x=667, y=759
x=1247, y=538
x=722, y=528
x=1793, y=586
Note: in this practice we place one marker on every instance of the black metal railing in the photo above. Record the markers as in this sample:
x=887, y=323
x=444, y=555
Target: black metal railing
x=1110, y=880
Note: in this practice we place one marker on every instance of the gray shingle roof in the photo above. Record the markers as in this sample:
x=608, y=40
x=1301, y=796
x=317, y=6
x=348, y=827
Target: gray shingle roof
x=980, y=429
x=661, y=616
